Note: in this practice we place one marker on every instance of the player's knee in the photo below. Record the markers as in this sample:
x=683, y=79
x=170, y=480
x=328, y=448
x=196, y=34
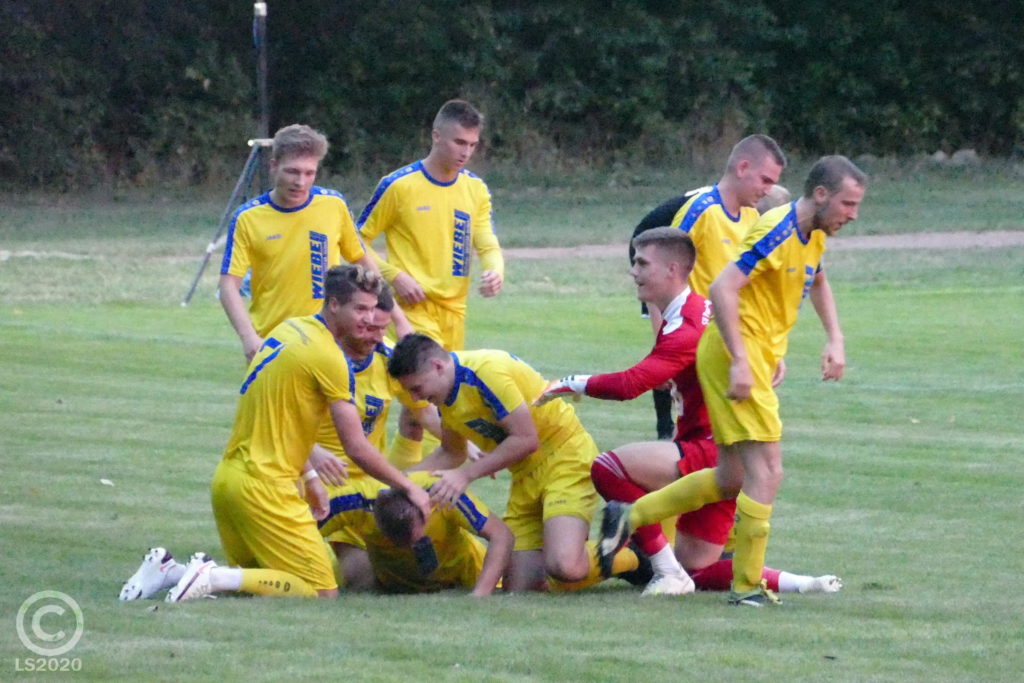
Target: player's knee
x=566, y=569
x=758, y=528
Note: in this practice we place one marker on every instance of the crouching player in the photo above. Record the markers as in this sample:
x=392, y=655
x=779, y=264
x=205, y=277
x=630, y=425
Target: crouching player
x=406, y=553
x=268, y=534
x=486, y=397
x=662, y=264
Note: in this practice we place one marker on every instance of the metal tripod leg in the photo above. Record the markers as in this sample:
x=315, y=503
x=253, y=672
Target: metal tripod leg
x=244, y=180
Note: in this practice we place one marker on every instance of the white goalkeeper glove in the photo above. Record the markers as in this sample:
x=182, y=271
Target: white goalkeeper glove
x=570, y=386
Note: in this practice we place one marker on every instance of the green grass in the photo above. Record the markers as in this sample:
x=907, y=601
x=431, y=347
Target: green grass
x=905, y=478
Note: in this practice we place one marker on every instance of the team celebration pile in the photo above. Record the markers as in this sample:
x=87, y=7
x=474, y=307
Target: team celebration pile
x=312, y=496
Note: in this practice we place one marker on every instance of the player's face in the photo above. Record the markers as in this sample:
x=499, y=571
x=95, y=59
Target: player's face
x=429, y=384
x=352, y=319
x=835, y=210
x=651, y=274
x=293, y=178
x=757, y=177
x=361, y=342
x=454, y=145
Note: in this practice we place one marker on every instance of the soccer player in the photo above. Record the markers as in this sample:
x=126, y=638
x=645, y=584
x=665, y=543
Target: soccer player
x=719, y=217
x=663, y=258
x=405, y=553
x=756, y=300
x=434, y=214
x=267, y=531
x=660, y=216
x=289, y=237
x=368, y=353
x=487, y=397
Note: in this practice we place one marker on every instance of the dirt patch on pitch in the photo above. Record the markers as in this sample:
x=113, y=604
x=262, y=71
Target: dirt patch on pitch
x=995, y=239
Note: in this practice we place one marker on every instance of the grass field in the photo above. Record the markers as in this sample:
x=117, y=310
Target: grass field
x=905, y=478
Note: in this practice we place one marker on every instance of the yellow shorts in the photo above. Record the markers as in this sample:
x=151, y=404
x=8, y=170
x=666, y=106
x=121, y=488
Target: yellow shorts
x=752, y=419
x=350, y=519
x=266, y=525
x=443, y=325
x=559, y=485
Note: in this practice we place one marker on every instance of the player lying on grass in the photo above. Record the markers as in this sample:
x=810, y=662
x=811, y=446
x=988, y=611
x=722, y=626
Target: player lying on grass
x=486, y=397
x=756, y=300
x=661, y=268
x=268, y=533
x=383, y=542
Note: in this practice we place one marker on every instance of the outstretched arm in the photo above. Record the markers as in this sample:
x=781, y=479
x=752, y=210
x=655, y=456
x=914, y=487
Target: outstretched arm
x=500, y=542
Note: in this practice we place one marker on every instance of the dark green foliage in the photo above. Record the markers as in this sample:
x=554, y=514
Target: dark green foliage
x=144, y=91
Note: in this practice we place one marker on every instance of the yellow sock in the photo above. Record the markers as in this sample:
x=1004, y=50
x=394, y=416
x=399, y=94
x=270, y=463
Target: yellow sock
x=624, y=561
x=275, y=582
x=752, y=529
x=404, y=452
x=690, y=493
x=668, y=527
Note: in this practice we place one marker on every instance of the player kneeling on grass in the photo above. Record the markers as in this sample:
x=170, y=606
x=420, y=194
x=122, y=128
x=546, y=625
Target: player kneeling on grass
x=486, y=397
x=383, y=542
x=297, y=376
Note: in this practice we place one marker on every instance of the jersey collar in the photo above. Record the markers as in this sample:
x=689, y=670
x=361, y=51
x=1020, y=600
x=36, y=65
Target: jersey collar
x=673, y=315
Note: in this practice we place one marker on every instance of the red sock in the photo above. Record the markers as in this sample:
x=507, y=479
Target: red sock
x=613, y=483
x=718, y=577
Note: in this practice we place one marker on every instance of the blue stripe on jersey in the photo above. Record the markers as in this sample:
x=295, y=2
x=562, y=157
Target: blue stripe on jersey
x=471, y=512
x=382, y=187
x=702, y=204
x=435, y=181
x=230, y=244
x=346, y=503
x=464, y=375
x=271, y=343
x=767, y=244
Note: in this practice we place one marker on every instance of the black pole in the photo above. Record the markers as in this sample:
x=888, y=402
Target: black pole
x=259, y=36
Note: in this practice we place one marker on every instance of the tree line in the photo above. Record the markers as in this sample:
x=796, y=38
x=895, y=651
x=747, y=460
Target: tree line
x=140, y=91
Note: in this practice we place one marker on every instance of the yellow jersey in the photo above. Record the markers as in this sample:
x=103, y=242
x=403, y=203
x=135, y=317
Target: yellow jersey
x=297, y=372
x=431, y=229
x=491, y=384
x=715, y=233
x=781, y=266
x=374, y=390
x=289, y=252
x=448, y=556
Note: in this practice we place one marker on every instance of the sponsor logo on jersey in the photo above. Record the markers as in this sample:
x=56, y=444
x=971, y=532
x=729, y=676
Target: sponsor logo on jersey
x=374, y=406
x=423, y=208
x=317, y=262
x=488, y=430
x=274, y=237
x=460, y=245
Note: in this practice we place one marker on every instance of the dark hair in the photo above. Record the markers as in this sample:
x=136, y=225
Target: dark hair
x=754, y=148
x=829, y=172
x=673, y=240
x=385, y=300
x=341, y=282
x=411, y=354
x=460, y=112
x=395, y=515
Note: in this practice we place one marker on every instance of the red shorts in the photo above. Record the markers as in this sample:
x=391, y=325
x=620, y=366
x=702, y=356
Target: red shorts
x=713, y=522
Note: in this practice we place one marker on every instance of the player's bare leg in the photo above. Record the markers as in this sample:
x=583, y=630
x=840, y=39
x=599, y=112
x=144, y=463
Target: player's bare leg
x=526, y=572
x=354, y=566
x=762, y=465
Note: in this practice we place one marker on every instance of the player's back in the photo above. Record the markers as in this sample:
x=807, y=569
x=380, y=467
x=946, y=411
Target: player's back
x=490, y=384
x=297, y=372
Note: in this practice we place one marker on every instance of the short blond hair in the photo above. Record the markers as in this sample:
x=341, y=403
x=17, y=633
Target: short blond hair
x=299, y=140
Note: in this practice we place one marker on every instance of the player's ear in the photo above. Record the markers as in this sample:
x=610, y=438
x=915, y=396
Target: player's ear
x=821, y=194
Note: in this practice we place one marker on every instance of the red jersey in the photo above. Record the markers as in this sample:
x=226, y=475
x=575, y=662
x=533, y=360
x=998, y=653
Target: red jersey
x=672, y=358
